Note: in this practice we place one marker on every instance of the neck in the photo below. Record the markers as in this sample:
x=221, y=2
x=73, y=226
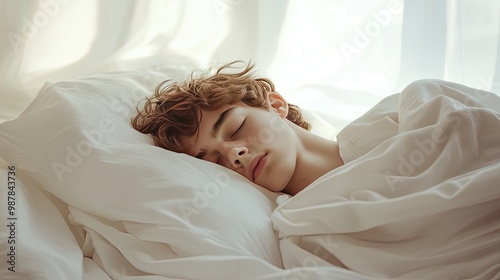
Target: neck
x=315, y=157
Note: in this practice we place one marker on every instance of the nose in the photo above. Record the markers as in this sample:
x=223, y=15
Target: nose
x=235, y=154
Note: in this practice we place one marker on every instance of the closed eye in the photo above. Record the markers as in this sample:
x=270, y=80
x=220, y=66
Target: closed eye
x=239, y=128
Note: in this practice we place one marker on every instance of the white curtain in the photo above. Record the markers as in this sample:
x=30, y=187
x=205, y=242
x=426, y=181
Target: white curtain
x=337, y=57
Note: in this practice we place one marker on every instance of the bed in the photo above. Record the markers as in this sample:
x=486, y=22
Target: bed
x=88, y=197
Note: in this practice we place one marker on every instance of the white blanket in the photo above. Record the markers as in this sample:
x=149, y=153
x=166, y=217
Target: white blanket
x=418, y=197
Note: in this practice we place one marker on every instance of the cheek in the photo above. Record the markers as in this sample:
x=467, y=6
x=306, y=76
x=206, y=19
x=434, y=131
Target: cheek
x=275, y=132
x=277, y=124
x=279, y=172
x=281, y=164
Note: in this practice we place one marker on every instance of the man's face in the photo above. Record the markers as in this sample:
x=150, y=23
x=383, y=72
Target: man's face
x=254, y=142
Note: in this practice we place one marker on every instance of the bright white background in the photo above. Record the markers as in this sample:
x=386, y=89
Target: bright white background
x=338, y=57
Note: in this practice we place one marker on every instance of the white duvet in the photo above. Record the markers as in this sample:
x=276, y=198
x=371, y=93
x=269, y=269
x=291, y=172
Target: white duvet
x=418, y=197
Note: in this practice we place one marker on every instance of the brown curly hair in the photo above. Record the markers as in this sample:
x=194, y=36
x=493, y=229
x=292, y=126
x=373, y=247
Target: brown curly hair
x=174, y=110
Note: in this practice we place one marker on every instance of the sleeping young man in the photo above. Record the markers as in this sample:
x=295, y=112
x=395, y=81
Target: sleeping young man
x=241, y=123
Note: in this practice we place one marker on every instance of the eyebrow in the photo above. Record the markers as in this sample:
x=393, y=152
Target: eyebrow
x=220, y=121
x=215, y=128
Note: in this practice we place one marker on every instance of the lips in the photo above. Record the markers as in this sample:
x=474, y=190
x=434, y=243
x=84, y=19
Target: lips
x=256, y=165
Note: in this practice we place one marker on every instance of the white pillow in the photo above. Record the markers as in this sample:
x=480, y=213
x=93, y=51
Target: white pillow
x=76, y=141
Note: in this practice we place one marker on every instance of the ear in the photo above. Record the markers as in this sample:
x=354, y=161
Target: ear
x=278, y=104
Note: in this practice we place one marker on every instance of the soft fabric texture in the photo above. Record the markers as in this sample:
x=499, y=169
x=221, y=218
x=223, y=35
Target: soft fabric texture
x=418, y=197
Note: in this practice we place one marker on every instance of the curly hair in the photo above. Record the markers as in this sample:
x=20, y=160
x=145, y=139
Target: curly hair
x=174, y=111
